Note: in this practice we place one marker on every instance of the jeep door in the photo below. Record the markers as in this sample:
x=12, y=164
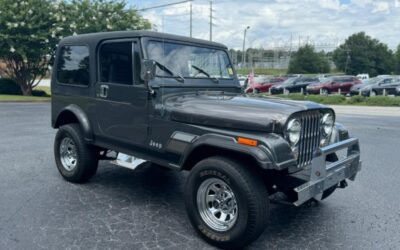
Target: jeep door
x=122, y=103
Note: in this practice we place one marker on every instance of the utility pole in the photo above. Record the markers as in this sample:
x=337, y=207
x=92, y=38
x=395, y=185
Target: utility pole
x=244, y=44
x=191, y=19
x=348, y=58
x=211, y=19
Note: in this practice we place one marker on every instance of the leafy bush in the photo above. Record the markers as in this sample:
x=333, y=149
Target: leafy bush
x=383, y=101
x=356, y=99
x=332, y=99
x=38, y=92
x=342, y=100
x=9, y=87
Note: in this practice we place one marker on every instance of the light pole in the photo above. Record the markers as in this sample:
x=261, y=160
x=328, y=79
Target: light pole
x=244, y=44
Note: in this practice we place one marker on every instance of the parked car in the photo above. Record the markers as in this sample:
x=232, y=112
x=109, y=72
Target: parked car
x=388, y=87
x=333, y=85
x=152, y=97
x=293, y=85
x=397, y=91
x=263, y=84
x=242, y=80
x=363, y=77
x=366, y=87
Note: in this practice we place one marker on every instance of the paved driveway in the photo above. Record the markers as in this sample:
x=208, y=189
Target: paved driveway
x=143, y=209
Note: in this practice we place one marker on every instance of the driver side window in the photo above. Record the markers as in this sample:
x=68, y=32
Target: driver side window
x=117, y=64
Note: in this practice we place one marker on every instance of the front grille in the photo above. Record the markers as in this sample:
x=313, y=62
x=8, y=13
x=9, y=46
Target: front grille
x=309, y=137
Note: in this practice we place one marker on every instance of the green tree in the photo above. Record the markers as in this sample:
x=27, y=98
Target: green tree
x=88, y=16
x=307, y=60
x=30, y=31
x=397, y=59
x=362, y=54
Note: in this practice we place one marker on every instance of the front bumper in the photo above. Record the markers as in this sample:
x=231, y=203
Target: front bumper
x=323, y=176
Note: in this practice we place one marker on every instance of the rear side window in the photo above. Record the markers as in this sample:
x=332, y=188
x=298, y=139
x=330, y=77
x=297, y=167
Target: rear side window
x=73, y=65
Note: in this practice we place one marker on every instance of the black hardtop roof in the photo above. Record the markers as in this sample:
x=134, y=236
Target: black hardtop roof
x=98, y=37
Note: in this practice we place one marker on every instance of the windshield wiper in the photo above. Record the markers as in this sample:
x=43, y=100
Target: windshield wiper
x=205, y=73
x=164, y=68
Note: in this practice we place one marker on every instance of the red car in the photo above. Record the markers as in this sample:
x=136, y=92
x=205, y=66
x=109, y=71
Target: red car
x=263, y=84
x=333, y=85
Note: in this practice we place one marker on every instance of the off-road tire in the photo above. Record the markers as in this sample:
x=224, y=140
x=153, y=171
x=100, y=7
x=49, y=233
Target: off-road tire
x=251, y=196
x=87, y=156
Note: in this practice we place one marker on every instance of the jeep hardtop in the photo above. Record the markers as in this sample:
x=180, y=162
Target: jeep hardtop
x=137, y=96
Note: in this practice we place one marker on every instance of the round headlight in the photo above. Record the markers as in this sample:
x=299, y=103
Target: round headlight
x=327, y=123
x=293, y=131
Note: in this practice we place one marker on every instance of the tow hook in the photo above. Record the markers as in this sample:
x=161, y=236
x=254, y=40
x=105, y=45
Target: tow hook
x=343, y=184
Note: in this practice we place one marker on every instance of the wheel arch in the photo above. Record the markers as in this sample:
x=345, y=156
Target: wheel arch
x=74, y=114
x=253, y=157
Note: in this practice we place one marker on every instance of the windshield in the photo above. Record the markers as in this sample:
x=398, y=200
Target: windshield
x=326, y=80
x=372, y=81
x=189, y=61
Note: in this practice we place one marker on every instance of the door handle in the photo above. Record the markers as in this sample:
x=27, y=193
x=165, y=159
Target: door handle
x=103, y=91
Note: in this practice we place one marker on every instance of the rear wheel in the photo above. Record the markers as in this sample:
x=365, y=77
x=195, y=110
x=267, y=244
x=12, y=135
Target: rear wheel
x=227, y=203
x=76, y=161
x=325, y=92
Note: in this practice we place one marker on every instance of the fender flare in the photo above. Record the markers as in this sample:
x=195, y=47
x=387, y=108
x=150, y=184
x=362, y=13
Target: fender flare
x=228, y=143
x=82, y=118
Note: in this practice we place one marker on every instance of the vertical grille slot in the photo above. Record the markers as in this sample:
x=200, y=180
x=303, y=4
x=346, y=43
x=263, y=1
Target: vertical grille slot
x=309, y=137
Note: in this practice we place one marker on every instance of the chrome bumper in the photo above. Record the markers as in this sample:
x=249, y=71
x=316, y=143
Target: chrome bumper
x=324, y=176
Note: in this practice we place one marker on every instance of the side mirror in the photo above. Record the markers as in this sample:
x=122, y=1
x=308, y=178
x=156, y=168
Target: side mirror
x=148, y=70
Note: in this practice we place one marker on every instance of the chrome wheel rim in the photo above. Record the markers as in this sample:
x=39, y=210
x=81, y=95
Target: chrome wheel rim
x=217, y=204
x=68, y=154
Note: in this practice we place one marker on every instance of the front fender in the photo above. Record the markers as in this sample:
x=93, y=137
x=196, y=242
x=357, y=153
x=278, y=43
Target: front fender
x=229, y=144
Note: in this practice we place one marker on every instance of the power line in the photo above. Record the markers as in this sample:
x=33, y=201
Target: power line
x=164, y=5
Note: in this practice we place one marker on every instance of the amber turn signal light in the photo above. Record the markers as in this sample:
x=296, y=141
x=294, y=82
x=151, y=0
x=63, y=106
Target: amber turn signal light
x=247, y=141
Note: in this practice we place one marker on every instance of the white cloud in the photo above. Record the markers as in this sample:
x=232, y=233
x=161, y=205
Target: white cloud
x=381, y=7
x=274, y=22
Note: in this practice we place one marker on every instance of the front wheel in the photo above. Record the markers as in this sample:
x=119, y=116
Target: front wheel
x=226, y=202
x=76, y=161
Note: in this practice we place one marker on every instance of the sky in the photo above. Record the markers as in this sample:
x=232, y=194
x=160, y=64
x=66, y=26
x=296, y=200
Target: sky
x=277, y=23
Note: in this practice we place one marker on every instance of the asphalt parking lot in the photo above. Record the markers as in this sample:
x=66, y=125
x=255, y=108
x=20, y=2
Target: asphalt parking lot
x=144, y=209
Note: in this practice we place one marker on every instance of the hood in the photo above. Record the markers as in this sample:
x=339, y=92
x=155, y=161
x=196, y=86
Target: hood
x=360, y=86
x=278, y=86
x=366, y=87
x=235, y=112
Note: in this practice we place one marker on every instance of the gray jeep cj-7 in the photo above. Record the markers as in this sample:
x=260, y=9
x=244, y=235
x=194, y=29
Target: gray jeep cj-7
x=138, y=96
